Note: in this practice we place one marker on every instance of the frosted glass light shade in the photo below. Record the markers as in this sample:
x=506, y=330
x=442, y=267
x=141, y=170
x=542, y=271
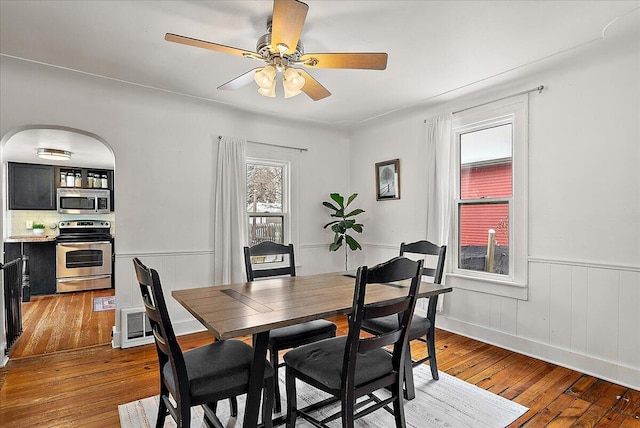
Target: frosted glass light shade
x=292, y=82
x=266, y=77
x=271, y=92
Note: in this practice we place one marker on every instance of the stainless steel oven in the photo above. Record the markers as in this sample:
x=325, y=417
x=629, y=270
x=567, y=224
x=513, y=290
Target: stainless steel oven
x=84, y=256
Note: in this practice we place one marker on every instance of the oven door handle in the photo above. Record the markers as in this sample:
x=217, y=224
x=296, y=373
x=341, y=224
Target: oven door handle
x=83, y=243
x=83, y=278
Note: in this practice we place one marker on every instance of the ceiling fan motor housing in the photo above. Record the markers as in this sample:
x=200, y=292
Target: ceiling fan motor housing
x=264, y=48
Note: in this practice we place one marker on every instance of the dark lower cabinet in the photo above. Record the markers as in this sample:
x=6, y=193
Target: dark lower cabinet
x=39, y=265
x=42, y=268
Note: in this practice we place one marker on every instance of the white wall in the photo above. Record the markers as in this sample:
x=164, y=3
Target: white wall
x=165, y=147
x=584, y=189
x=584, y=213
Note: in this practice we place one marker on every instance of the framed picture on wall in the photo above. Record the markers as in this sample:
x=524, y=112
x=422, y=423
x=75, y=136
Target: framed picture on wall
x=388, y=180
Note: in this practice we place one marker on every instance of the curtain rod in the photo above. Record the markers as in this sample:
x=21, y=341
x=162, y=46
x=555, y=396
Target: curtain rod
x=302, y=149
x=537, y=88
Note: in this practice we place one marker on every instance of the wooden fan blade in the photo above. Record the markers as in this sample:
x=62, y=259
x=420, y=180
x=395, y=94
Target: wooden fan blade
x=312, y=87
x=170, y=37
x=240, y=81
x=287, y=22
x=370, y=60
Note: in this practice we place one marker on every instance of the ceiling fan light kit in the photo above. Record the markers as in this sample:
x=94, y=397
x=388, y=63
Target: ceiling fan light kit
x=281, y=48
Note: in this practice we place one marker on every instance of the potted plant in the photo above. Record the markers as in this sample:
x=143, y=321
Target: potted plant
x=38, y=228
x=342, y=227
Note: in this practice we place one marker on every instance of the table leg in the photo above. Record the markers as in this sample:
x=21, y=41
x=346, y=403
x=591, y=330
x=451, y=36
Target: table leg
x=256, y=379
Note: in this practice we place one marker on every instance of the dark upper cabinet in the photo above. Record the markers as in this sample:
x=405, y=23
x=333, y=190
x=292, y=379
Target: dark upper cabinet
x=31, y=187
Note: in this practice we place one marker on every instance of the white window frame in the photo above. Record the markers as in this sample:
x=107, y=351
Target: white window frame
x=513, y=110
x=257, y=153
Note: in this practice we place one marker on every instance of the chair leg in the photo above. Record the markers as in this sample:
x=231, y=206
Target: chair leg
x=184, y=413
x=162, y=413
x=410, y=392
x=267, y=403
x=348, y=409
x=292, y=410
x=398, y=406
x=273, y=356
x=431, y=349
x=233, y=406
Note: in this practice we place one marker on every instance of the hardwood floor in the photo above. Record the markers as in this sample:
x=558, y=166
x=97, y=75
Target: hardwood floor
x=61, y=322
x=82, y=388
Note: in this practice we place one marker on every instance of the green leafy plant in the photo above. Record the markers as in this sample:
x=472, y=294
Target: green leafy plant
x=38, y=226
x=346, y=223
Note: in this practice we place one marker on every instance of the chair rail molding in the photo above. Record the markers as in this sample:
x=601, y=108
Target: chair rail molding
x=583, y=263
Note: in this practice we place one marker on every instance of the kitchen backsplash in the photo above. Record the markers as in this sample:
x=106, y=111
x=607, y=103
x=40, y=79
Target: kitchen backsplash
x=17, y=219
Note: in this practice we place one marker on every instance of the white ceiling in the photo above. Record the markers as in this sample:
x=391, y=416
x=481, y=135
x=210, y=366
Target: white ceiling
x=436, y=48
x=86, y=149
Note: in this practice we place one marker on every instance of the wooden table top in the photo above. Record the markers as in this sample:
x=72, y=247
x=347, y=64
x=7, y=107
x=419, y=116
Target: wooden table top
x=253, y=307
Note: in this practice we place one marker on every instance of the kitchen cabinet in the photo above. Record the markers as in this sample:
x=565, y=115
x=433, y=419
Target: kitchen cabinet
x=31, y=187
x=83, y=178
x=68, y=177
x=40, y=265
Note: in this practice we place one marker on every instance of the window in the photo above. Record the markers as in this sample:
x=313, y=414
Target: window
x=490, y=196
x=485, y=179
x=266, y=201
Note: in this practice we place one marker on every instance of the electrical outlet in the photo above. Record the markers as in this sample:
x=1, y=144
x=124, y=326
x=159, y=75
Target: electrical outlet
x=29, y=224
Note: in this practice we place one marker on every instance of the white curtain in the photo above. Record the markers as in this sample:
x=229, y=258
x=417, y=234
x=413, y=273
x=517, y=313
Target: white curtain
x=439, y=182
x=230, y=226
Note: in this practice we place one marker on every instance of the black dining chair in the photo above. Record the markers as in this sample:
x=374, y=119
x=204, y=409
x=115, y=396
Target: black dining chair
x=354, y=366
x=202, y=376
x=422, y=327
x=291, y=336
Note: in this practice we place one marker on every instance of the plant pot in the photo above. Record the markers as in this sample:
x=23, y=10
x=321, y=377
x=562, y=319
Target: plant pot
x=38, y=231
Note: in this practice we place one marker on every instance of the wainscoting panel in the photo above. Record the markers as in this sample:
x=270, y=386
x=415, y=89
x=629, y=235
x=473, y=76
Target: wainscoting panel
x=560, y=305
x=533, y=314
x=629, y=320
x=177, y=271
x=578, y=315
x=603, y=324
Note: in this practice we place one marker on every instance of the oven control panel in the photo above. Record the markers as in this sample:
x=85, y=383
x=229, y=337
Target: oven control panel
x=84, y=223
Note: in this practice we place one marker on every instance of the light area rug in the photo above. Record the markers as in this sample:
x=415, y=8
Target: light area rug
x=446, y=403
x=104, y=303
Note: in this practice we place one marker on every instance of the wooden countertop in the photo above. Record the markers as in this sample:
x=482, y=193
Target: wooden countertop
x=31, y=238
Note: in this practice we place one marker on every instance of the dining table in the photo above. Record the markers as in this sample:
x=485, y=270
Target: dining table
x=255, y=308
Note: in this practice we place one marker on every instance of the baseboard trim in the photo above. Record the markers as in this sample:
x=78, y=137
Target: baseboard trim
x=613, y=372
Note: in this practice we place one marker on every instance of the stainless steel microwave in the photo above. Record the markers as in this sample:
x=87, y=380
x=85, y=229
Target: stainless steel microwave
x=83, y=201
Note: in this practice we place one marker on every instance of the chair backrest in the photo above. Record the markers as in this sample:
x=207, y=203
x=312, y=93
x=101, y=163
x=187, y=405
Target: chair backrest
x=428, y=249
x=394, y=270
x=166, y=343
x=269, y=248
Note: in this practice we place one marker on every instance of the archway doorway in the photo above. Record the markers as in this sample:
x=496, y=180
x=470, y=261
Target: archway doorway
x=54, y=320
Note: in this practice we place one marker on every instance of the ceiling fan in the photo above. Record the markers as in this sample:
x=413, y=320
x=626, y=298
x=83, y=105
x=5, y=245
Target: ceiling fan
x=282, y=49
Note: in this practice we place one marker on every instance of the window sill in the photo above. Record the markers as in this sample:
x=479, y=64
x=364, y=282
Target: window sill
x=489, y=286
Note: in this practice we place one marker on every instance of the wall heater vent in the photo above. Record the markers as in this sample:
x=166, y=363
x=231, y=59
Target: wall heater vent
x=136, y=329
